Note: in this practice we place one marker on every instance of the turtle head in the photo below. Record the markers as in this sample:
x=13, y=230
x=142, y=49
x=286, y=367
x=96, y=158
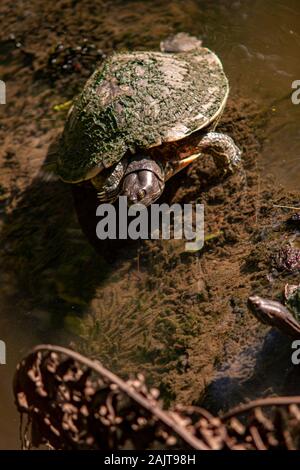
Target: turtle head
x=181, y=42
x=143, y=182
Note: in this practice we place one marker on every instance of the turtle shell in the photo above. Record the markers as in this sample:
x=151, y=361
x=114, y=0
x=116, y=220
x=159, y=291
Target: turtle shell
x=138, y=100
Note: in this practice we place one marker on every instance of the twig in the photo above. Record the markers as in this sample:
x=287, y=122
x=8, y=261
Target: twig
x=270, y=401
x=155, y=410
x=287, y=207
x=257, y=438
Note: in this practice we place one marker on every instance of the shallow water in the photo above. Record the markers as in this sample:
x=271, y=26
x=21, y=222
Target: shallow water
x=259, y=44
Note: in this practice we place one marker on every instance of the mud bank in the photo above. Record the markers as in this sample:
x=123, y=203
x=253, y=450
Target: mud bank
x=146, y=306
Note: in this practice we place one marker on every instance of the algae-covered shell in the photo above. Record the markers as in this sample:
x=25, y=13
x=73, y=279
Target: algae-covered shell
x=138, y=100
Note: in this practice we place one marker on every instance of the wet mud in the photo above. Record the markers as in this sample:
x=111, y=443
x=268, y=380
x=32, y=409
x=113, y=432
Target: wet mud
x=145, y=306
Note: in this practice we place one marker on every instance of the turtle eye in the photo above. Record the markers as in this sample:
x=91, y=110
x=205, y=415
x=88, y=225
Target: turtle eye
x=141, y=194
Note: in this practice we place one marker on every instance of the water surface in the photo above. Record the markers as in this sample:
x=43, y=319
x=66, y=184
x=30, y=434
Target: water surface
x=259, y=44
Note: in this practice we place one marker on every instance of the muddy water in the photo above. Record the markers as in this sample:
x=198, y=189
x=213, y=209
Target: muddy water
x=259, y=44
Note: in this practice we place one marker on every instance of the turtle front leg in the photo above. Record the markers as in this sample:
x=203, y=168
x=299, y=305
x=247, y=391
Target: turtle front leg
x=226, y=155
x=108, y=183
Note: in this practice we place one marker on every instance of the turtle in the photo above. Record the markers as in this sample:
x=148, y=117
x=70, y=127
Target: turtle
x=283, y=317
x=143, y=116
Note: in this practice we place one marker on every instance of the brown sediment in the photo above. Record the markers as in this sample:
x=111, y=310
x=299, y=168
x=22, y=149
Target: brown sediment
x=179, y=315
x=147, y=306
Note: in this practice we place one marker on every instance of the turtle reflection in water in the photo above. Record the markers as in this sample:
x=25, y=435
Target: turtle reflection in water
x=142, y=117
x=284, y=317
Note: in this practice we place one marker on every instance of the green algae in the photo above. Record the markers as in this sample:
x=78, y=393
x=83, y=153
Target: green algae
x=133, y=102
